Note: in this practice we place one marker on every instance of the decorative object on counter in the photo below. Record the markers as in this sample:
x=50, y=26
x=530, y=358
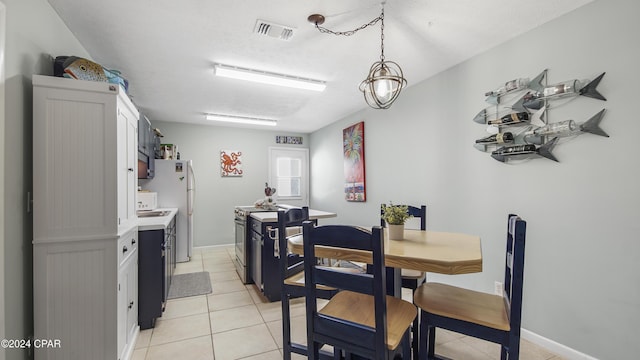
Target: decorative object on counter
x=268, y=193
x=530, y=132
x=78, y=68
x=280, y=139
x=395, y=216
x=354, y=170
x=169, y=151
x=230, y=163
x=385, y=79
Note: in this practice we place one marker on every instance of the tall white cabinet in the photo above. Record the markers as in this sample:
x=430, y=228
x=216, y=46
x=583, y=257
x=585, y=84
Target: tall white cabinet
x=85, y=258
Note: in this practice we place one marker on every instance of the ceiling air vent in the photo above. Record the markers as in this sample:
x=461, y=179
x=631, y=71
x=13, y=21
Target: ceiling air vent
x=273, y=30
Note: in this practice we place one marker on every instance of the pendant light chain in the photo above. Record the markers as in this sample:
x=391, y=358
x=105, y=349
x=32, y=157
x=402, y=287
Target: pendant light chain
x=324, y=30
x=385, y=80
x=382, y=34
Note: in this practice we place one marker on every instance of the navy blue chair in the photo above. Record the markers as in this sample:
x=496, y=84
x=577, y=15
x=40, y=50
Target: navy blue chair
x=411, y=279
x=291, y=268
x=490, y=317
x=361, y=321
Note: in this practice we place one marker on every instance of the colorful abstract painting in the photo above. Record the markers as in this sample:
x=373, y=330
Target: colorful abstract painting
x=353, y=151
x=230, y=163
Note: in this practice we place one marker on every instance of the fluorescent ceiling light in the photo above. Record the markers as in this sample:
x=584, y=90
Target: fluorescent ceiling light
x=241, y=120
x=264, y=77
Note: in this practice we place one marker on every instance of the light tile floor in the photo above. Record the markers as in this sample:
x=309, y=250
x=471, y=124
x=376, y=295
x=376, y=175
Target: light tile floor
x=235, y=322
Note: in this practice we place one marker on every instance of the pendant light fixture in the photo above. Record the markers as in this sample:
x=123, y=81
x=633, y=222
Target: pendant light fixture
x=385, y=80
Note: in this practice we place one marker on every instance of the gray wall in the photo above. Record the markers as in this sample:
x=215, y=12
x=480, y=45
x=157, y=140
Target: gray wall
x=34, y=33
x=581, y=267
x=217, y=196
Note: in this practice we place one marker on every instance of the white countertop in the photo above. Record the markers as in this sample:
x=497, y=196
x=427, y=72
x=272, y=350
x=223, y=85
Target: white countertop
x=272, y=216
x=157, y=222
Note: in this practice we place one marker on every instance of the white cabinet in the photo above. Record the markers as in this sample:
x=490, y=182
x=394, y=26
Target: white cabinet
x=84, y=189
x=127, y=293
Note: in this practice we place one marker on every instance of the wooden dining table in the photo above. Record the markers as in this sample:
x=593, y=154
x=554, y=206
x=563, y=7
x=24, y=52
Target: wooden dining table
x=429, y=251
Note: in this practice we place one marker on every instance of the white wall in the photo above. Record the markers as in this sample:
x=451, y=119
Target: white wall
x=581, y=267
x=34, y=33
x=216, y=196
x=3, y=20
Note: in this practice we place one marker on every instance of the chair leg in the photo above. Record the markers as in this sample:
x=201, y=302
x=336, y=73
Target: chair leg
x=430, y=336
x=422, y=344
x=415, y=327
x=513, y=352
x=286, y=328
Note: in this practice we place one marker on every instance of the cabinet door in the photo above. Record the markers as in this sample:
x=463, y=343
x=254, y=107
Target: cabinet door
x=127, y=303
x=127, y=166
x=132, y=297
x=123, y=297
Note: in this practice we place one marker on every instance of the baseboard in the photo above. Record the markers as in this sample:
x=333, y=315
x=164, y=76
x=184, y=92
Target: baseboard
x=556, y=348
x=209, y=247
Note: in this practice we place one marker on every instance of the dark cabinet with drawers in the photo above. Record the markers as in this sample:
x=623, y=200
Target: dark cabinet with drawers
x=156, y=263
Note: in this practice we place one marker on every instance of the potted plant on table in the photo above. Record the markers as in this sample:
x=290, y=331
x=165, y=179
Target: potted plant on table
x=395, y=216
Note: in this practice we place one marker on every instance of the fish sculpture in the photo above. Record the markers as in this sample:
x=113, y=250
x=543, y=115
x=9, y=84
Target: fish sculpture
x=566, y=128
x=505, y=152
x=78, y=68
x=491, y=112
x=563, y=89
x=494, y=96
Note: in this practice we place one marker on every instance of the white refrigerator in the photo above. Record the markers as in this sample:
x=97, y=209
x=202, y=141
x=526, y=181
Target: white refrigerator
x=175, y=184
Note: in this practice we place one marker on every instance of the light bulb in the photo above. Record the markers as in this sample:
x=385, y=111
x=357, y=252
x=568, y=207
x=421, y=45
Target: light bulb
x=383, y=87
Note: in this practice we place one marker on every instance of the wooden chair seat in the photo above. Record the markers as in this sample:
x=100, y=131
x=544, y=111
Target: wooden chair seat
x=412, y=274
x=494, y=318
x=463, y=304
x=359, y=308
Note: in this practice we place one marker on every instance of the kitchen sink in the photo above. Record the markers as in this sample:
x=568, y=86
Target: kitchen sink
x=153, y=213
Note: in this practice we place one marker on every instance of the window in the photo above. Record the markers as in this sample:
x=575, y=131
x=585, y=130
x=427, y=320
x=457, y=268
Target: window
x=289, y=174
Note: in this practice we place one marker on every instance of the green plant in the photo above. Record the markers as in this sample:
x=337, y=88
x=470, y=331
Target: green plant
x=395, y=214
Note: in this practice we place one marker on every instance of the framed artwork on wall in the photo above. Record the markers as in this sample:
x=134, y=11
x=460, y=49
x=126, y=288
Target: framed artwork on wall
x=230, y=163
x=354, y=170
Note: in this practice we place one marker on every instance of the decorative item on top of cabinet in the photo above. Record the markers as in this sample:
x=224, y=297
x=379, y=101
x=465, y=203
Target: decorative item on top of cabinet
x=281, y=139
x=521, y=129
x=85, y=235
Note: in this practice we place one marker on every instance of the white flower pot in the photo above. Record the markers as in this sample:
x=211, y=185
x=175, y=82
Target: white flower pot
x=396, y=232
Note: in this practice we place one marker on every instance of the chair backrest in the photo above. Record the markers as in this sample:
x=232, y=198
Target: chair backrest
x=416, y=212
x=514, y=269
x=289, y=263
x=343, y=334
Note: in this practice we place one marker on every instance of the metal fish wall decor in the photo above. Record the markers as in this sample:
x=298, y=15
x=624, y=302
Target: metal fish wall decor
x=520, y=105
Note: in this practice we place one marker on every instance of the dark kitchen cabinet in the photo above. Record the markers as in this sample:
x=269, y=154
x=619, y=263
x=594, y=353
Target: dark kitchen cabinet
x=156, y=264
x=144, y=135
x=265, y=271
x=146, y=148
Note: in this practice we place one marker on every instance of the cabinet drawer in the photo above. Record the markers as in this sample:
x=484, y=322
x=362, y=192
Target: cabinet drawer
x=256, y=226
x=127, y=245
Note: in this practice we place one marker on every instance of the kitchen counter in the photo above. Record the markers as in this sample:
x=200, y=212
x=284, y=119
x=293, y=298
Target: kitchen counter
x=157, y=222
x=272, y=216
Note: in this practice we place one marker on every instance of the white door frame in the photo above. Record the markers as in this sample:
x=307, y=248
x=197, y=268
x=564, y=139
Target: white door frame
x=3, y=25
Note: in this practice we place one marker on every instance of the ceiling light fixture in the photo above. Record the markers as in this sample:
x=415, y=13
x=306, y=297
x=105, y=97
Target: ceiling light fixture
x=241, y=119
x=264, y=77
x=385, y=79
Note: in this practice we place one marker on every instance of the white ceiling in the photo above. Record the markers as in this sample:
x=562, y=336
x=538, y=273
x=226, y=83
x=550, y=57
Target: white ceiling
x=166, y=49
